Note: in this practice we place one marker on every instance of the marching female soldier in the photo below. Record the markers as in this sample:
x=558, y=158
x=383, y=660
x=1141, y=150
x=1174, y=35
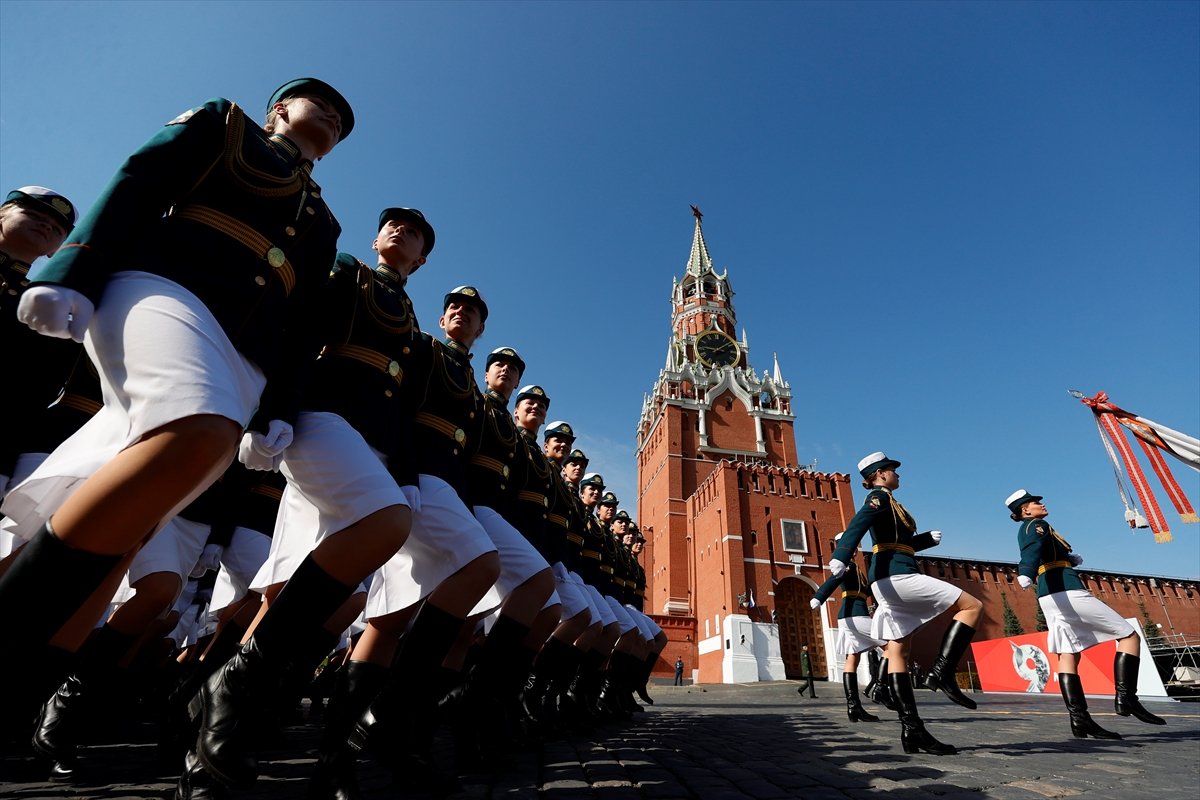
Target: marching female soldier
x=448, y=564
x=906, y=598
x=545, y=511
x=854, y=630
x=34, y=221
x=351, y=482
x=200, y=262
x=1075, y=619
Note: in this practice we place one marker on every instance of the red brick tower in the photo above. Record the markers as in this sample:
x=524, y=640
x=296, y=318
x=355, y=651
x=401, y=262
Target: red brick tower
x=736, y=530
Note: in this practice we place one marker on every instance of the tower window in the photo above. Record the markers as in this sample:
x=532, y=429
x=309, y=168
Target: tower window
x=795, y=539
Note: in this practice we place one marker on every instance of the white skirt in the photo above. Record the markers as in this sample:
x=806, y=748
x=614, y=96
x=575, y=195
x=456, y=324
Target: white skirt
x=346, y=479
x=10, y=542
x=568, y=592
x=645, y=625
x=601, y=610
x=519, y=560
x=906, y=602
x=176, y=549
x=296, y=535
x=335, y=479
x=161, y=356
x=246, y=552
x=625, y=622
x=445, y=538
x=854, y=636
x=1076, y=620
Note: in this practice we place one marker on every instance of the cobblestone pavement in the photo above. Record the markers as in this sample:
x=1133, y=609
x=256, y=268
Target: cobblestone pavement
x=747, y=741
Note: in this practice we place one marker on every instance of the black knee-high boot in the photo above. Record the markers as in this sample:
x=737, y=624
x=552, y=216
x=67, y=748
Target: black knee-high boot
x=176, y=733
x=579, y=699
x=354, y=688
x=228, y=642
x=1125, y=673
x=942, y=677
x=1082, y=724
x=397, y=730
x=854, y=707
x=234, y=701
x=48, y=581
x=615, y=689
x=913, y=736
x=644, y=683
x=48, y=667
x=67, y=713
x=883, y=690
x=556, y=659
x=482, y=702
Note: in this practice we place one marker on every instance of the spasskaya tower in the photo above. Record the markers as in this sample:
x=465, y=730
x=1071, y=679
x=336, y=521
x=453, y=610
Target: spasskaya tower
x=736, y=529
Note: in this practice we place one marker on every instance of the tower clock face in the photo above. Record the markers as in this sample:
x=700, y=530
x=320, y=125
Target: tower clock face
x=716, y=349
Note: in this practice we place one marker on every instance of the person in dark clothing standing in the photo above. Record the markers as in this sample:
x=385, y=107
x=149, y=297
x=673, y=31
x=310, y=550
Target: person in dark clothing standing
x=679, y=672
x=806, y=670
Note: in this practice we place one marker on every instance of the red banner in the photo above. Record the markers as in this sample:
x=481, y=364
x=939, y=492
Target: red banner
x=1024, y=664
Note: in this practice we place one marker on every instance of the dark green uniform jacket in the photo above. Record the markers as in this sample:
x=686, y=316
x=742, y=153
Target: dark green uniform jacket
x=373, y=361
x=535, y=498
x=571, y=518
x=639, y=592
x=855, y=592
x=450, y=418
x=495, y=471
x=893, y=533
x=33, y=368
x=228, y=211
x=1044, y=558
x=78, y=402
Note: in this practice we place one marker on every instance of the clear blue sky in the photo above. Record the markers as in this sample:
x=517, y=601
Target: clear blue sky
x=941, y=215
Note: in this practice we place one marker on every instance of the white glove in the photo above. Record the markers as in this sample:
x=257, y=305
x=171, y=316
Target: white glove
x=1024, y=582
x=1075, y=559
x=814, y=603
x=55, y=311
x=836, y=567
x=209, y=559
x=936, y=536
x=264, y=452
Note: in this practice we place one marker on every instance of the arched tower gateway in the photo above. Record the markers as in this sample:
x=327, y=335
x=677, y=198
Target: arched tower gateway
x=737, y=531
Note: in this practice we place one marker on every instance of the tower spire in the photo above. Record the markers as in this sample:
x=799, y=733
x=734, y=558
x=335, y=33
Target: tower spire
x=699, y=262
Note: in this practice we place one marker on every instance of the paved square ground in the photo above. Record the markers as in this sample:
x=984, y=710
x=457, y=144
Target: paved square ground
x=757, y=741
